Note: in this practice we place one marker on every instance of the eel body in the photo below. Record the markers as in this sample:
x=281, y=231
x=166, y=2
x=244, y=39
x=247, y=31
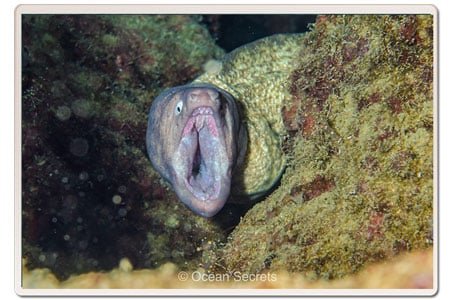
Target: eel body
x=222, y=133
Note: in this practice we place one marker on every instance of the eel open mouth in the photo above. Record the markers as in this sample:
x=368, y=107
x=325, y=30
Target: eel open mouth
x=195, y=140
x=203, y=148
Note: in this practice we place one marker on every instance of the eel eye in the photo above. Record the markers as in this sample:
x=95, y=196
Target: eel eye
x=179, y=108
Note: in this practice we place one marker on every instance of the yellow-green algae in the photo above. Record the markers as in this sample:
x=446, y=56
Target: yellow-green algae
x=359, y=182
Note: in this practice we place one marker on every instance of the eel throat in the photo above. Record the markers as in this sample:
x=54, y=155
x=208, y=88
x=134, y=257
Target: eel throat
x=202, y=168
x=200, y=137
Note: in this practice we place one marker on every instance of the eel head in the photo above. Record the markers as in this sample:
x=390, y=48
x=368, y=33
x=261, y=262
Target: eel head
x=195, y=140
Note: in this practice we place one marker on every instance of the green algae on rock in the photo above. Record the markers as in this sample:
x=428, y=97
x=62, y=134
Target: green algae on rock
x=359, y=182
x=89, y=194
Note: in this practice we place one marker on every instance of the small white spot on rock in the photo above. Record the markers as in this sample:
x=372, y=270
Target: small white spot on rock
x=116, y=199
x=81, y=108
x=122, y=212
x=83, y=175
x=125, y=265
x=212, y=67
x=63, y=113
x=122, y=189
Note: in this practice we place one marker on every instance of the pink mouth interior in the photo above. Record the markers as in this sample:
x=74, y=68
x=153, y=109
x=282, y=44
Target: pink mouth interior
x=203, y=169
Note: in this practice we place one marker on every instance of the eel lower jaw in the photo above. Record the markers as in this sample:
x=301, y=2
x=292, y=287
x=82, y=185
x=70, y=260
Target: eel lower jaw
x=207, y=205
x=203, y=168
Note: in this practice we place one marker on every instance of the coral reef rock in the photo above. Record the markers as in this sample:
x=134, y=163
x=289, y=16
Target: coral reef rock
x=359, y=183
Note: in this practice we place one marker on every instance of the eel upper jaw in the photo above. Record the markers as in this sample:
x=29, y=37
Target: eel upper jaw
x=201, y=164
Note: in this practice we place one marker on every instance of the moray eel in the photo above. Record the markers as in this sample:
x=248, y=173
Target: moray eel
x=195, y=138
x=222, y=133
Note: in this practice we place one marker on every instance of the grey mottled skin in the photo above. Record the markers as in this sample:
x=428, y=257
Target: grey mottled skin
x=195, y=140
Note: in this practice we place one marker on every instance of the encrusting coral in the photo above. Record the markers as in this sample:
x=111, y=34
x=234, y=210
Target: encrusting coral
x=359, y=185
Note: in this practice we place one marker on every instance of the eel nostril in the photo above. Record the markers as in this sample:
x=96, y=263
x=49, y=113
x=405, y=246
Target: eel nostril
x=213, y=94
x=193, y=97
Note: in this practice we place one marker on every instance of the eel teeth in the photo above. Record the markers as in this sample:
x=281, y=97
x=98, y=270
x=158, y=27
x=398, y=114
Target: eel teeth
x=199, y=117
